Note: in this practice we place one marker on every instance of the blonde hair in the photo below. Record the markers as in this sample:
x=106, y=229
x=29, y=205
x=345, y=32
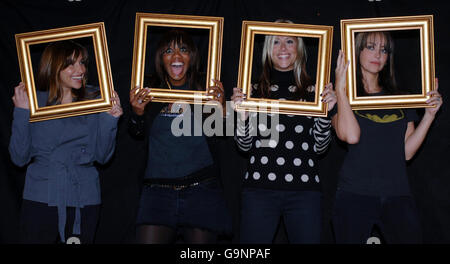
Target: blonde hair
x=300, y=75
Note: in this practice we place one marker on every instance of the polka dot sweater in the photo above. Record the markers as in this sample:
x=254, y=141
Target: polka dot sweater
x=283, y=151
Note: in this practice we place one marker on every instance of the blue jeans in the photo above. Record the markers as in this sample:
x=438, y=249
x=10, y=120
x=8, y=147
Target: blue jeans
x=261, y=211
x=354, y=216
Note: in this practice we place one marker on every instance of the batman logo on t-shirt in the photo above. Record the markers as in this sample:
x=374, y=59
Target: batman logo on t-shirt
x=387, y=118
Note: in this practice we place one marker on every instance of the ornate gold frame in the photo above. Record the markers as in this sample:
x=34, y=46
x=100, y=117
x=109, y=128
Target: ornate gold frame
x=425, y=24
x=215, y=27
x=97, y=32
x=325, y=36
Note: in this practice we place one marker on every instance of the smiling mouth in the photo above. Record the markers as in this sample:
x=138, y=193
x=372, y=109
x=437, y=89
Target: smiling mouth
x=284, y=56
x=376, y=63
x=77, y=78
x=177, y=67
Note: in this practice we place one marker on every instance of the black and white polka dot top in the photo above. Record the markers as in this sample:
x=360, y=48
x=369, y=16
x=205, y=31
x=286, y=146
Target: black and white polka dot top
x=283, y=151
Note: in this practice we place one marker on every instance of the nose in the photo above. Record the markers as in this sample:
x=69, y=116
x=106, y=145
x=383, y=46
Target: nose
x=283, y=46
x=177, y=53
x=378, y=53
x=80, y=68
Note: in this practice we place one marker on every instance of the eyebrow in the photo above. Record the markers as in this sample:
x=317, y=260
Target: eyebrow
x=288, y=37
x=374, y=43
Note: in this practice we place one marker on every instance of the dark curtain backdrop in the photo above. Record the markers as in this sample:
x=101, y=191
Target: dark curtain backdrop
x=120, y=179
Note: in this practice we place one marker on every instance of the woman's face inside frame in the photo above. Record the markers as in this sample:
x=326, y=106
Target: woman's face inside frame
x=176, y=60
x=374, y=55
x=284, y=52
x=72, y=76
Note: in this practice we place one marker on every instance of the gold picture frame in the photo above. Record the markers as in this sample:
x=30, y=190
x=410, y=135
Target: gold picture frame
x=97, y=32
x=349, y=27
x=325, y=37
x=215, y=27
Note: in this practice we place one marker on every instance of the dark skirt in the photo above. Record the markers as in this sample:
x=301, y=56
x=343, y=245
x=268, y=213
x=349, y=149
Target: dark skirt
x=199, y=206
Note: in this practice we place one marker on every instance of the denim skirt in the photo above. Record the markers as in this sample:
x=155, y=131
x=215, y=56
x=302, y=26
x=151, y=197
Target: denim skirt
x=200, y=206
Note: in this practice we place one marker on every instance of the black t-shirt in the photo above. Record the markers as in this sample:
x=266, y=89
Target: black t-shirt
x=377, y=165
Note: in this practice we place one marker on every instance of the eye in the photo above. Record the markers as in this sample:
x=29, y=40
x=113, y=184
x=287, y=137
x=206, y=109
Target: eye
x=384, y=51
x=370, y=47
x=276, y=42
x=168, y=51
x=183, y=49
x=290, y=41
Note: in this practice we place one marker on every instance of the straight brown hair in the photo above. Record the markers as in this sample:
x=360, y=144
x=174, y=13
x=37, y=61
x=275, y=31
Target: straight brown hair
x=56, y=57
x=386, y=77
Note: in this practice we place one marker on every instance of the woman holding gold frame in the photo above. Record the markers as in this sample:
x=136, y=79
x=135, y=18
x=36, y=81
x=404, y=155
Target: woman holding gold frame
x=282, y=178
x=61, y=183
x=181, y=189
x=373, y=187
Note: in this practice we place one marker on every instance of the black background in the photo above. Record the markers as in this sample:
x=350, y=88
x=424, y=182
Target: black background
x=429, y=171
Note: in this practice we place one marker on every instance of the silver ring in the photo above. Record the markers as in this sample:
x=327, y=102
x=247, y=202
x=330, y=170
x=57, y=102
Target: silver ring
x=218, y=95
x=140, y=101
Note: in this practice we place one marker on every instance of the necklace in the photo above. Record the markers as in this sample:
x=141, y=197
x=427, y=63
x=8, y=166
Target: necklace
x=168, y=84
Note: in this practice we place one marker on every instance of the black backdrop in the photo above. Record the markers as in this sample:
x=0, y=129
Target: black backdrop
x=429, y=171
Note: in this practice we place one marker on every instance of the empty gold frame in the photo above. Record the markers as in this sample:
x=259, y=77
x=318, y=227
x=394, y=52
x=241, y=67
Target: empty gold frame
x=97, y=32
x=349, y=29
x=146, y=20
x=323, y=33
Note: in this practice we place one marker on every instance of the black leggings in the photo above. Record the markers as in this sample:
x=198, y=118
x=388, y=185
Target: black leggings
x=158, y=234
x=39, y=223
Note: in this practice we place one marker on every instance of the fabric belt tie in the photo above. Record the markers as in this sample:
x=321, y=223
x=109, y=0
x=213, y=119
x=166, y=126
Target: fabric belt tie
x=66, y=176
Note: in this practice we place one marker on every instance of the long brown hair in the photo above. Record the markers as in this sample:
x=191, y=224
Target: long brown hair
x=56, y=57
x=302, y=78
x=386, y=77
x=179, y=37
